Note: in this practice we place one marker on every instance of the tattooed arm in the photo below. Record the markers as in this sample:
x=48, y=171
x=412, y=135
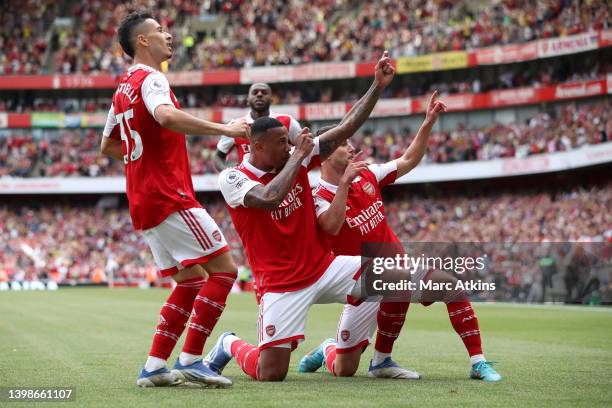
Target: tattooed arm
x=360, y=112
x=271, y=195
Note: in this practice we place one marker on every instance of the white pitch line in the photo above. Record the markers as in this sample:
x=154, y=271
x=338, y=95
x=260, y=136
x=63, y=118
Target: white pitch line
x=547, y=306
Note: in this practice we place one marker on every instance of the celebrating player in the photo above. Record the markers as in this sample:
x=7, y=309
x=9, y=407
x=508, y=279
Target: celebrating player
x=350, y=210
x=272, y=208
x=259, y=100
x=146, y=129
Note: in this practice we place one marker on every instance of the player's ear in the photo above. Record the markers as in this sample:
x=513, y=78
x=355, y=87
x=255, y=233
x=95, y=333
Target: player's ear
x=142, y=40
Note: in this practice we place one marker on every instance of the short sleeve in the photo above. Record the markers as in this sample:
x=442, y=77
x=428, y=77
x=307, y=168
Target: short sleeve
x=234, y=186
x=385, y=173
x=321, y=205
x=294, y=129
x=225, y=144
x=155, y=91
x=110, y=128
x=313, y=160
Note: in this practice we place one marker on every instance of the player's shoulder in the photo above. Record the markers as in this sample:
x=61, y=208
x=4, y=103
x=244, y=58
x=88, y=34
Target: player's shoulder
x=370, y=171
x=231, y=175
x=320, y=191
x=282, y=116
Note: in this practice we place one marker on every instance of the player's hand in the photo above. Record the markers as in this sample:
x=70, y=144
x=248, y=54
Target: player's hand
x=304, y=143
x=355, y=167
x=237, y=128
x=434, y=107
x=384, y=71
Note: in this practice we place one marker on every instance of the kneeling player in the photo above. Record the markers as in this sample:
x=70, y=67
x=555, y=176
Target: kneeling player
x=271, y=204
x=348, y=190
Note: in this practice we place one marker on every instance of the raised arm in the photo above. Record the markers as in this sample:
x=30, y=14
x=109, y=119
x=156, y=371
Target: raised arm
x=360, y=112
x=272, y=195
x=414, y=153
x=219, y=160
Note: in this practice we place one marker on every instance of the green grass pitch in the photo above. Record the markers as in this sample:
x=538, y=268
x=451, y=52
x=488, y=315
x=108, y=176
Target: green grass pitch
x=97, y=339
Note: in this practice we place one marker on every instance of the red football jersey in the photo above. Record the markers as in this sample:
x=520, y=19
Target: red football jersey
x=365, y=219
x=158, y=178
x=243, y=145
x=286, y=248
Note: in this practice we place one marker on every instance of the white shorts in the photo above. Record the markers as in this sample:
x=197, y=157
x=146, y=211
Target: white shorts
x=185, y=238
x=282, y=316
x=356, y=326
x=358, y=323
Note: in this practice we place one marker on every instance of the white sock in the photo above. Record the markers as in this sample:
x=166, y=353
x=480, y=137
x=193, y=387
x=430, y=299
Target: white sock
x=228, y=341
x=477, y=359
x=187, y=359
x=154, y=363
x=379, y=357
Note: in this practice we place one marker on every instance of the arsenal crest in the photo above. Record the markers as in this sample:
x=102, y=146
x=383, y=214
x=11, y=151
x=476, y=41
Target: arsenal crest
x=345, y=335
x=369, y=189
x=270, y=330
x=217, y=235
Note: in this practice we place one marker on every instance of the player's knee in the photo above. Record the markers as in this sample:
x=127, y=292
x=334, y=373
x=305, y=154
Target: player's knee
x=191, y=272
x=346, y=364
x=232, y=268
x=345, y=370
x=272, y=374
x=223, y=263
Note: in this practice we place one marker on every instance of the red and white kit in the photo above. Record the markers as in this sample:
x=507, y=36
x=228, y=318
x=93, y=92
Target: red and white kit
x=365, y=222
x=292, y=262
x=243, y=146
x=160, y=192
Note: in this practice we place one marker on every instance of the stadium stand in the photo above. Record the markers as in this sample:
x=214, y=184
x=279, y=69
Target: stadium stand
x=270, y=33
x=90, y=244
x=74, y=153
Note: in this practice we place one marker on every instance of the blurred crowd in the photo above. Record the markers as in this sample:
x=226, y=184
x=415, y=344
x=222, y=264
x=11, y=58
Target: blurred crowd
x=267, y=32
x=271, y=33
x=83, y=243
x=97, y=243
x=545, y=132
x=65, y=153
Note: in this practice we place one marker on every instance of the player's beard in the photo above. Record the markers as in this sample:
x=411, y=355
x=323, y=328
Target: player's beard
x=282, y=165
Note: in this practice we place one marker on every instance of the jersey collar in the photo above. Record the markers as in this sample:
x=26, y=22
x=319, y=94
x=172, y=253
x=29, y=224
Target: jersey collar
x=257, y=172
x=250, y=120
x=328, y=186
x=142, y=66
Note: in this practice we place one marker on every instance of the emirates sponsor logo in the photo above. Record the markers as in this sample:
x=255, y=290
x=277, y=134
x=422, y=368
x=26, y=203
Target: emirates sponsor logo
x=513, y=96
x=293, y=195
x=291, y=203
x=577, y=90
x=365, y=215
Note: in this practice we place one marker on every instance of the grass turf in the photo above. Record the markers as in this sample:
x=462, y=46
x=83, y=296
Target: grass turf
x=97, y=339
